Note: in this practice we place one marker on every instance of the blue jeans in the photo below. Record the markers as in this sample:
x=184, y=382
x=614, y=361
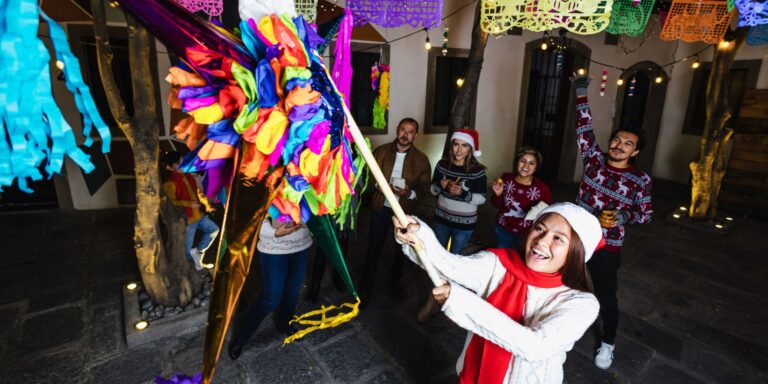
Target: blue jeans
x=281, y=279
x=459, y=237
x=506, y=239
x=209, y=230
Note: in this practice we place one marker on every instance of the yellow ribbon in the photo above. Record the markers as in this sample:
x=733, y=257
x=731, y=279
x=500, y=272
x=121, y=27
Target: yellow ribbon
x=324, y=321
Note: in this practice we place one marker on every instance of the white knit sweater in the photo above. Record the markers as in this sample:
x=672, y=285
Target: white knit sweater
x=554, y=318
x=285, y=245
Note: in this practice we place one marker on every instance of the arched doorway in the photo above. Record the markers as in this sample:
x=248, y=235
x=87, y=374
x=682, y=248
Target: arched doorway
x=643, y=106
x=547, y=106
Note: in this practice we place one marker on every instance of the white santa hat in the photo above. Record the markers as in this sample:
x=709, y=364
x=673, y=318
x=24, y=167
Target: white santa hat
x=471, y=137
x=583, y=223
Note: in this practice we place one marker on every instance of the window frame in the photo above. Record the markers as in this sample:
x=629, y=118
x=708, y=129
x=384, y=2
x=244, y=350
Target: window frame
x=430, y=90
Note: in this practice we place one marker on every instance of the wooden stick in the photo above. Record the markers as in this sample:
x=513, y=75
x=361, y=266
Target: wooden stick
x=388, y=194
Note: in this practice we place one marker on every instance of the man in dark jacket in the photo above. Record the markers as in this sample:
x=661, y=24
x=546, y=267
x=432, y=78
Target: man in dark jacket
x=408, y=171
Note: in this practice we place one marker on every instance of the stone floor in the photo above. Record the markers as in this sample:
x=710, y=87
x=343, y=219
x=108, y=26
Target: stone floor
x=692, y=303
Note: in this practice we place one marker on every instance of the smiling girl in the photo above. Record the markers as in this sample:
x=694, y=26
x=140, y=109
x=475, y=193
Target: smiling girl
x=459, y=182
x=514, y=194
x=524, y=308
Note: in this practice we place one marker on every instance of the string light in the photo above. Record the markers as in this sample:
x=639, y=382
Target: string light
x=60, y=65
x=724, y=44
x=696, y=63
x=581, y=71
x=427, y=44
x=620, y=82
x=460, y=82
x=659, y=79
x=544, y=46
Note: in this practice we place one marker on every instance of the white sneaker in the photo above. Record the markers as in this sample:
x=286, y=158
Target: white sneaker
x=197, y=258
x=604, y=357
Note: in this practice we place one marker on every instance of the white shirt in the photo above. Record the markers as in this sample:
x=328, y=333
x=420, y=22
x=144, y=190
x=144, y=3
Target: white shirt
x=397, y=172
x=285, y=245
x=553, y=319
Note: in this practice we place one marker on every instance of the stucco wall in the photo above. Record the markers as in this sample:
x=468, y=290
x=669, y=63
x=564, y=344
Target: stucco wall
x=499, y=96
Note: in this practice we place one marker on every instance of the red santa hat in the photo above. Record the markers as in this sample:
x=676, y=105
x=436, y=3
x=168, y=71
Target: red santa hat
x=471, y=137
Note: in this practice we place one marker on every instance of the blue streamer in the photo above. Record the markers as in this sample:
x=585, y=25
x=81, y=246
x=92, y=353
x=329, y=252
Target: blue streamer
x=35, y=136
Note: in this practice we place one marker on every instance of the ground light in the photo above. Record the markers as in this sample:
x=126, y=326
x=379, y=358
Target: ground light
x=141, y=325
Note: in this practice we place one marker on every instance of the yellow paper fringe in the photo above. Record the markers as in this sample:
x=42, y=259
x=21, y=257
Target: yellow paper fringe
x=323, y=322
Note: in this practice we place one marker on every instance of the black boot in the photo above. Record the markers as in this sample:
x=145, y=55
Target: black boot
x=235, y=349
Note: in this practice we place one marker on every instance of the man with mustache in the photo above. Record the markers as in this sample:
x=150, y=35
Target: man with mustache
x=618, y=193
x=409, y=172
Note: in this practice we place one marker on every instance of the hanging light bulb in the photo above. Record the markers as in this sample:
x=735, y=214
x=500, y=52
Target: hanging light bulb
x=659, y=79
x=620, y=82
x=581, y=71
x=460, y=82
x=427, y=44
x=696, y=63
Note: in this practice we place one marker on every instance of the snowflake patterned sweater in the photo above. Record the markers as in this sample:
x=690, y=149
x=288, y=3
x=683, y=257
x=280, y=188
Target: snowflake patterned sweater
x=604, y=187
x=459, y=212
x=515, y=201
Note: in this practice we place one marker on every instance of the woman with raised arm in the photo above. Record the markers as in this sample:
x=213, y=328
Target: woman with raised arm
x=524, y=308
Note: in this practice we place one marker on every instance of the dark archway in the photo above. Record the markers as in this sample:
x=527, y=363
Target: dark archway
x=644, y=108
x=547, y=106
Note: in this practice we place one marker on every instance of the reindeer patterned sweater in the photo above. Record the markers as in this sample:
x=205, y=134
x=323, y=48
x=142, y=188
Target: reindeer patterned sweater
x=604, y=187
x=515, y=201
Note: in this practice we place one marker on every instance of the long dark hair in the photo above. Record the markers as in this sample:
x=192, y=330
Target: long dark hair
x=574, y=271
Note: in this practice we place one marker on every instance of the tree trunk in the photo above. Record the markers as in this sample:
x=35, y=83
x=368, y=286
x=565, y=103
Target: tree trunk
x=465, y=99
x=166, y=274
x=708, y=169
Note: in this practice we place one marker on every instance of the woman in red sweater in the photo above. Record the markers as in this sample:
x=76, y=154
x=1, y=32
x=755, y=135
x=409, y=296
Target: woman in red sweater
x=514, y=194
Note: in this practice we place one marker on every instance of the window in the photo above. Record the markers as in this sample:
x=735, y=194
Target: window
x=361, y=95
x=443, y=82
x=743, y=75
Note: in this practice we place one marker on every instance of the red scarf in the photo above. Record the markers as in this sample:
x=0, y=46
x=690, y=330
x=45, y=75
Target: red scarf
x=484, y=361
x=184, y=190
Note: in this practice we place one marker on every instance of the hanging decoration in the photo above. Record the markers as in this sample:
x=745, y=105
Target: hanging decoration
x=35, y=137
x=697, y=20
x=631, y=88
x=380, y=85
x=559, y=59
x=307, y=9
x=395, y=13
x=342, y=65
x=758, y=35
x=583, y=17
x=278, y=134
x=752, y=13
x=730, y=5
x=629, y=17
x=603, y=81
x=445, y=41
x=210, y=7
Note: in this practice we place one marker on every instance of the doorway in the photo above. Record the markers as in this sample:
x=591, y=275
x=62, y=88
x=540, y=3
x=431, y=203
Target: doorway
x=548, y=107
x=642, y=107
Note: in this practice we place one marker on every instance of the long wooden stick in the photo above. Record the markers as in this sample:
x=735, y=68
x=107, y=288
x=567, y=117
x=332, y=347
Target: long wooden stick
x=388, y=194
